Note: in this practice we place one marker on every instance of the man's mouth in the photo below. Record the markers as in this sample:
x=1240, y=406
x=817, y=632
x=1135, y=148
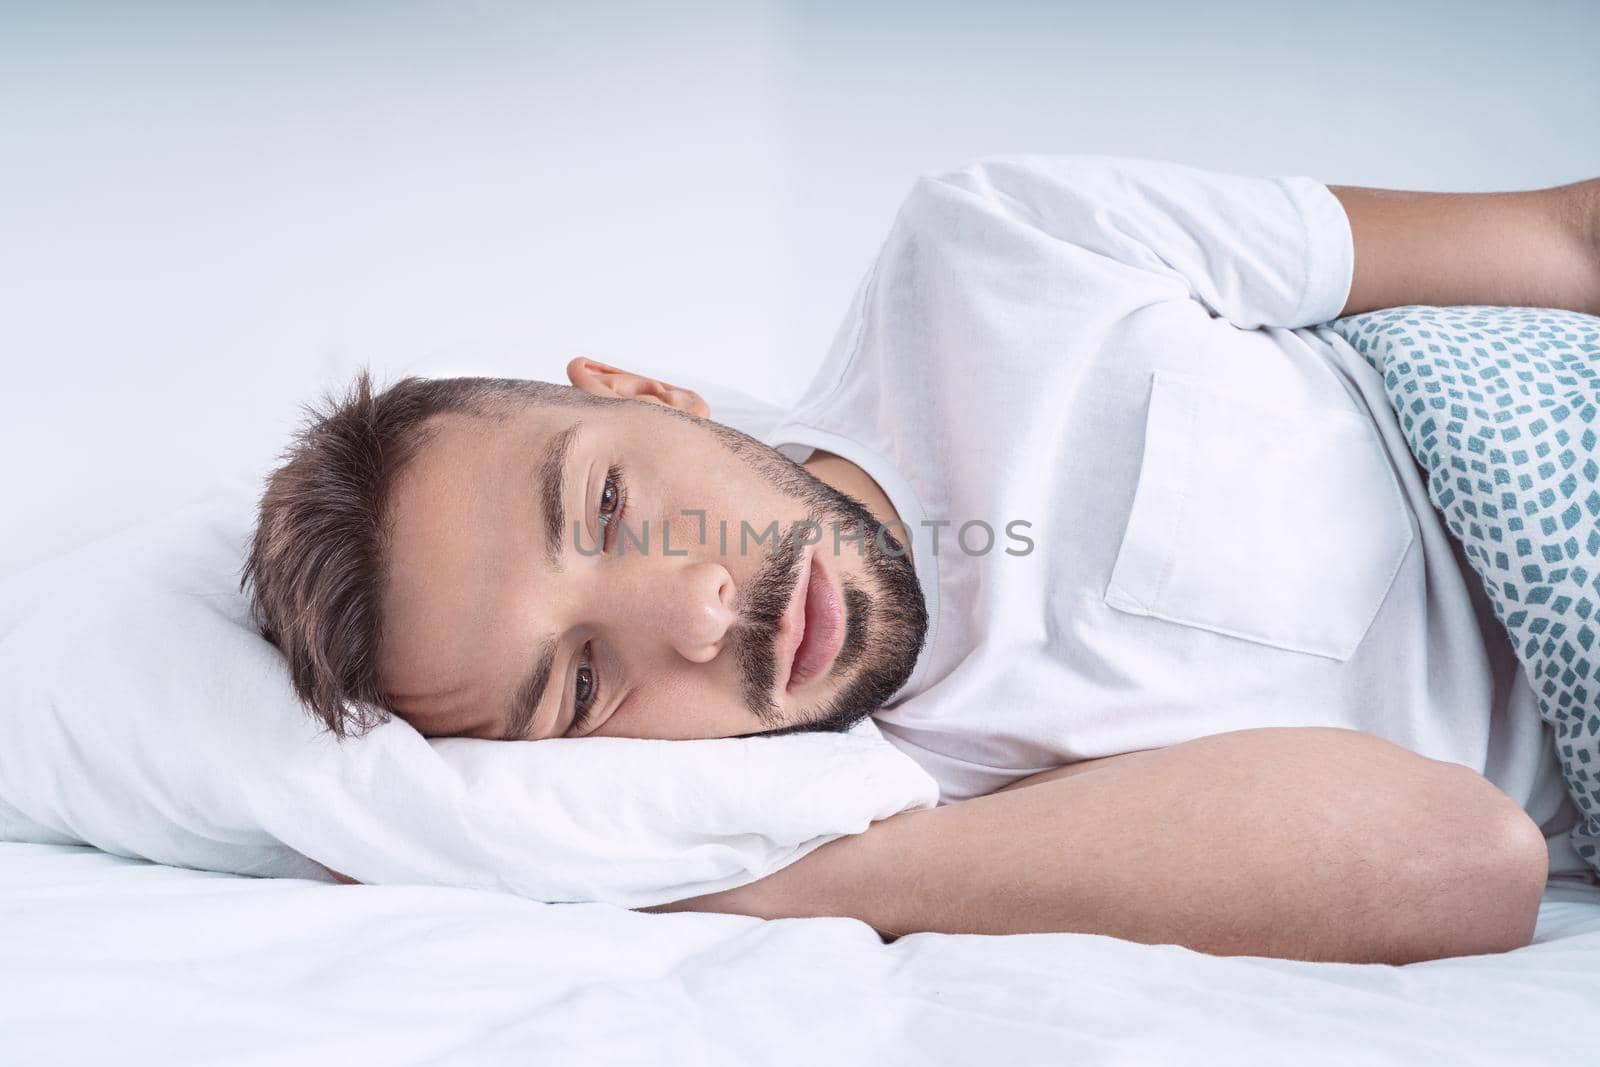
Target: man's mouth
x=812, y=629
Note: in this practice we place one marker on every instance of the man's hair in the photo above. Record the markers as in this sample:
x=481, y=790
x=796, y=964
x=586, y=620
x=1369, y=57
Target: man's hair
x=316, y=566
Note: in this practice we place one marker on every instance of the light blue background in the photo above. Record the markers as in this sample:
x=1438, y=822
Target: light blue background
x=212, y=211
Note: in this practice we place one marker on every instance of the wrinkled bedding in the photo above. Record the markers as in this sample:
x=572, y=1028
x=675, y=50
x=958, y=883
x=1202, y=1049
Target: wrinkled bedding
x=106, y=960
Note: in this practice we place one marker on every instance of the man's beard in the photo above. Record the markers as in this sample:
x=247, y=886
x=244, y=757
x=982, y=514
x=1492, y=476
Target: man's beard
x=886, y=620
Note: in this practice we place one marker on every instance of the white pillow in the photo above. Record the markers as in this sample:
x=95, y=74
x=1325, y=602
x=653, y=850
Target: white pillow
x=140, y=713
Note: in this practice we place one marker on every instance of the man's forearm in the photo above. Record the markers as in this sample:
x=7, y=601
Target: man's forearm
x=1299, y=843
x=1539, y=248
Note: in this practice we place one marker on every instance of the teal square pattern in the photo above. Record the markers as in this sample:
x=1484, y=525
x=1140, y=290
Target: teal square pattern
x=1501, y=407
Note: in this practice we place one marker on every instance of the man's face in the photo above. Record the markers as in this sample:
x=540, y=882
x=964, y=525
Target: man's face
x=544, y=580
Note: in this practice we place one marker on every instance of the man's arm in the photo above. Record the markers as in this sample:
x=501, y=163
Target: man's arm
x=1302, y=843
x=1530, y=249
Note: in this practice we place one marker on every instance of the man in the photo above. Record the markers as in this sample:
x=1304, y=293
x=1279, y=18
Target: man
x=1082, y=508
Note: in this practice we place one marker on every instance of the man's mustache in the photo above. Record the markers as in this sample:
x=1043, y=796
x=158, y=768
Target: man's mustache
x=761, y=605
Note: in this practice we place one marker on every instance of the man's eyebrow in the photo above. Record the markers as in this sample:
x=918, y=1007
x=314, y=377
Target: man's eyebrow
x=551, y=470
x=526, y=703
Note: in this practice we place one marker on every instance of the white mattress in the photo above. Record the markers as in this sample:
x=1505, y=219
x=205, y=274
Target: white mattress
x=106, y=960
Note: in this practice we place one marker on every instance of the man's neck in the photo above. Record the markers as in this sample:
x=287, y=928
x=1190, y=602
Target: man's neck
x=853, y=481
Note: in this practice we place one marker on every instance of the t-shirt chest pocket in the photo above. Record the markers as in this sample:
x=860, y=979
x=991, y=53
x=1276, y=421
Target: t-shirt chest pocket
x=1283, y=527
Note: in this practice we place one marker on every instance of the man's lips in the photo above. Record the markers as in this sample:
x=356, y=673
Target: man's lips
x=812, y=629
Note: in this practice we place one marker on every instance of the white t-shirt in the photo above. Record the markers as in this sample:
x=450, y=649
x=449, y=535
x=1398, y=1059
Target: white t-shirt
x=1204, y=515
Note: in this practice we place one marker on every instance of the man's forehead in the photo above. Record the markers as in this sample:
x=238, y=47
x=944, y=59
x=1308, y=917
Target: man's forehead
x=437, y=710
x=462, y=529
x=469, y=467
x=458, y=439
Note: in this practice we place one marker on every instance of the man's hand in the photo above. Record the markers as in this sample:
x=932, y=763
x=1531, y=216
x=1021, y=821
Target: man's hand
x=1302, y=843
x=1530, y=249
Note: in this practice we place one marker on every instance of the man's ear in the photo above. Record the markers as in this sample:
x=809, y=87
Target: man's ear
x=600, y=379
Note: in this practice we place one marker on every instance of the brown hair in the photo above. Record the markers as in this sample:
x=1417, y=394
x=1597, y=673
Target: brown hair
x=315, y=569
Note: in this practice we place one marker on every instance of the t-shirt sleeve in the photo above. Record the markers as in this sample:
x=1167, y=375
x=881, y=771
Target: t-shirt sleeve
x=1255, y=251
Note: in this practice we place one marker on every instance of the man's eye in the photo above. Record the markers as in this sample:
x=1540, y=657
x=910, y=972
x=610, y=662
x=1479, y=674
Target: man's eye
x=583, y=692
x=613, y=497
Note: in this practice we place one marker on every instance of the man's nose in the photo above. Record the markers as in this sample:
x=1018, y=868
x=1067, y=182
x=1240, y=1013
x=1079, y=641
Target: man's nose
x=694, y=610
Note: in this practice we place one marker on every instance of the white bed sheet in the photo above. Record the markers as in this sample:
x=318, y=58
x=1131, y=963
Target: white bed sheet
x=104, y=959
